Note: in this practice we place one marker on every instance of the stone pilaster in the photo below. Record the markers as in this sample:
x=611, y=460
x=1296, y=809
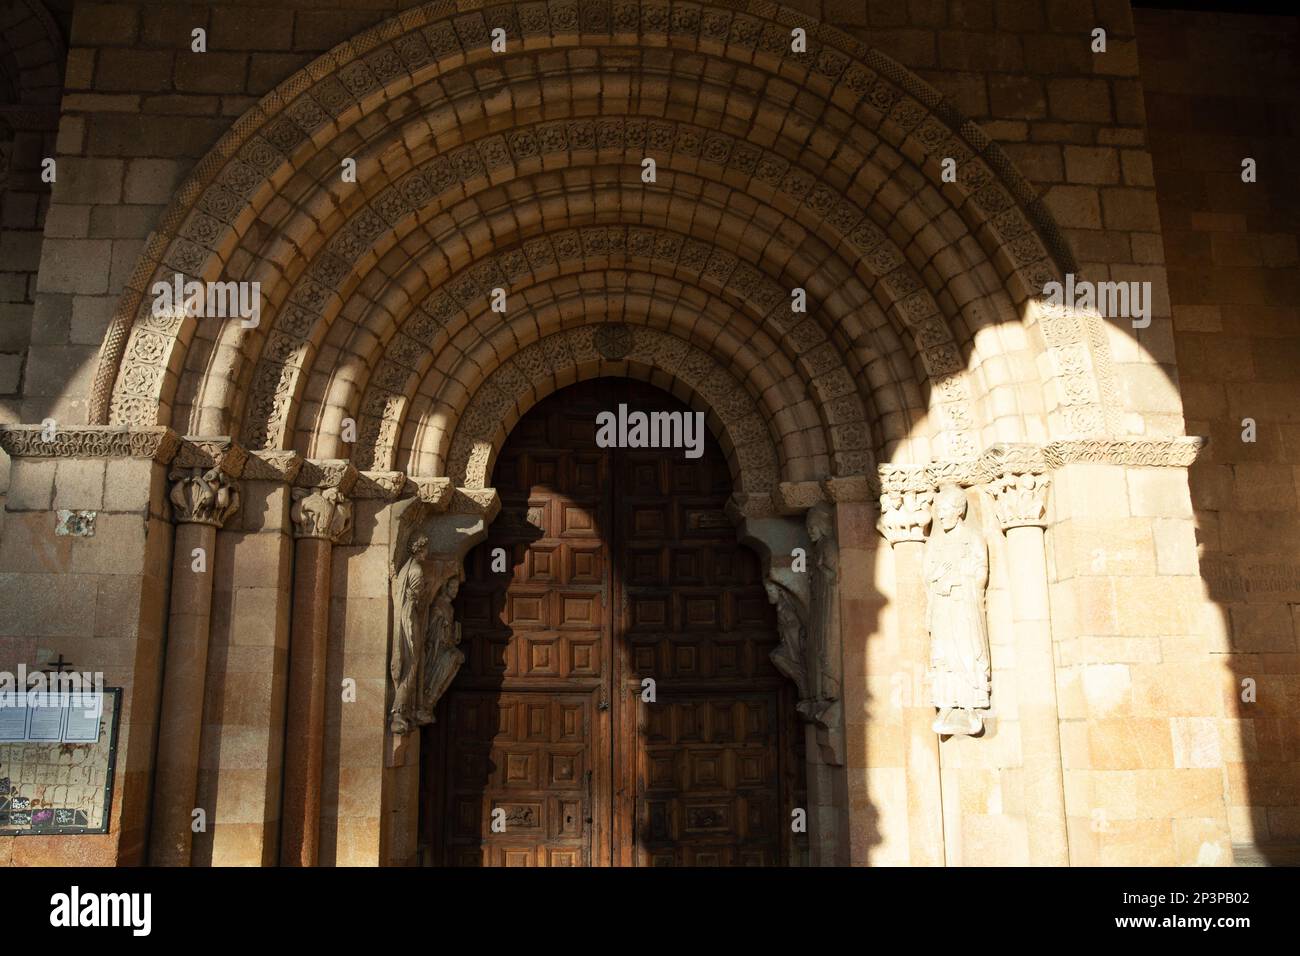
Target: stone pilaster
x=1018, y=484
x=203, y=497
x=322, y=517
x=906, y=498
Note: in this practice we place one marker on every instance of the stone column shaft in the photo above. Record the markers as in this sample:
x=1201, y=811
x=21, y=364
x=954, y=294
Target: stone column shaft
x=181, y=713
x=305, y=720
x=1036, y=697
x=921, y=745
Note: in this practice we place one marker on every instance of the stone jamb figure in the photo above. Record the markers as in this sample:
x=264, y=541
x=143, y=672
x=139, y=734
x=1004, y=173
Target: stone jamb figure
x=823, y=690
x=791, y=656
x=408, y=637
x=442, y=656
x=956, y=569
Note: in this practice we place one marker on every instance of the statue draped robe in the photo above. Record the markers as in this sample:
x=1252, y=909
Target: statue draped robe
x=956, y=573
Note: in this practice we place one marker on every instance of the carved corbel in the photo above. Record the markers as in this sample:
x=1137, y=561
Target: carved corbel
x=432, y=532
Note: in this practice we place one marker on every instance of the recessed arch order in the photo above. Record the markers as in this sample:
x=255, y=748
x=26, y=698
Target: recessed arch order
x=522, y=171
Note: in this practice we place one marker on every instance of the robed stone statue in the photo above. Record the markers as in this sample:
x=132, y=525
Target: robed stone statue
x=956, y=571
x=408, y=636
x=442, y=657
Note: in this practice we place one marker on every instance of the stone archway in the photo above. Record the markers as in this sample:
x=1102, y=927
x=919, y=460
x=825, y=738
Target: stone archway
x=922, y=356
x=868, y=181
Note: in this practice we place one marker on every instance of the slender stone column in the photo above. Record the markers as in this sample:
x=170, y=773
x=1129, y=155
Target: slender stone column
x=202, y=498
x=1020, y=500
x=904, y=516
x=322, y=517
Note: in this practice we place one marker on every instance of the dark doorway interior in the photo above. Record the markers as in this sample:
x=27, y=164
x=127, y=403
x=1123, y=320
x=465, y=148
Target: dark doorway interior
x=621, y=566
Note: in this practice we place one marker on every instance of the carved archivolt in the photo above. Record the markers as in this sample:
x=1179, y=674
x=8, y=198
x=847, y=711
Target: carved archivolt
x=461, y=301
x=434, y=40
x=514, y=386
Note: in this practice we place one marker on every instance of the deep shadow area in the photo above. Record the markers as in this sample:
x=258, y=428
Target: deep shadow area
x=623, y=567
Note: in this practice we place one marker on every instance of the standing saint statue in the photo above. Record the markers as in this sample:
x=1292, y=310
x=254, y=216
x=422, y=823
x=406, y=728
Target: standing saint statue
x=442, y=657
x=956, y=574
x=408, y=636
x=790, y=656
x=822, y=704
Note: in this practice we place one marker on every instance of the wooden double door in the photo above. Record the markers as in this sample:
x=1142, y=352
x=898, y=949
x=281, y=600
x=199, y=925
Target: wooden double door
x=617, y=705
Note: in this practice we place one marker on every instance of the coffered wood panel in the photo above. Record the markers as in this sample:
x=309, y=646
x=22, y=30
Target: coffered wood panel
x=621, y=567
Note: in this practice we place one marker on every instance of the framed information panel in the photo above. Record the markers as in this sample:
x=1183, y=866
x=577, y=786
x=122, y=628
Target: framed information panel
x=56, y=766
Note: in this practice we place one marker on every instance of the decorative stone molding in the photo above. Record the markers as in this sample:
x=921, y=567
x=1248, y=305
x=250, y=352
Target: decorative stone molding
x=273, y=465
x=461, y=300
x=740, y=507
x=795, y=497
x=323, y=513
x=850, y=488
x=211, y=452
x=201, y=496
x=513, y=386
x=327, y=473
x=90, y=441
x=438, y=492
x=875, y=91
x=1015, y=476
x=475, y=501
x=1135, y=452
x=383, y=485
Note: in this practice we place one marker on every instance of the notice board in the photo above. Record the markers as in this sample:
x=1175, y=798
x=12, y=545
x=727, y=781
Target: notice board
x=56, y=765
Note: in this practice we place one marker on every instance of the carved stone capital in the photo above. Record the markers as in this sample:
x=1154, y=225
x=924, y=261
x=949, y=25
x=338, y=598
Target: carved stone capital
x=436, y=492
x=905, y=515
x=1015, y=476
x=1020, y=500
x=203, y=496
x=795, y=496
x=324, y=513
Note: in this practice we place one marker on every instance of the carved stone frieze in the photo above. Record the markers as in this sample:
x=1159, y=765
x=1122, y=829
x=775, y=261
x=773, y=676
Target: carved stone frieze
x=90, y=441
